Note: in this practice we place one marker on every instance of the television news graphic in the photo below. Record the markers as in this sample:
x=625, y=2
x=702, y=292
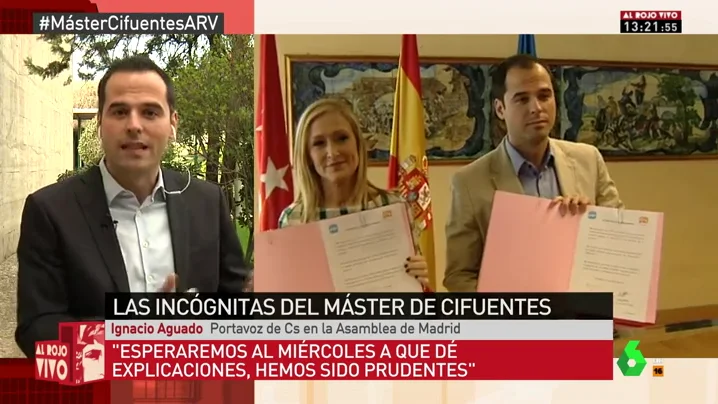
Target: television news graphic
x=367, y=306
x=15, y=20
x=359, y=336
x=651, y=22
x=128, y=23
x=631, y=362
x=76, y=358
x=658, y=368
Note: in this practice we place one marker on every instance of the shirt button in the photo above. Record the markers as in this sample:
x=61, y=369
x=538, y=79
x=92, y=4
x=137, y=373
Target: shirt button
x=139, y=213
x=151, y=278
x=146, y=244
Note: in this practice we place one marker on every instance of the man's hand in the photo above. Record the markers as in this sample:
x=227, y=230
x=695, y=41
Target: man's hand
x=573, y=204
x=249, y=286
x=169, y=285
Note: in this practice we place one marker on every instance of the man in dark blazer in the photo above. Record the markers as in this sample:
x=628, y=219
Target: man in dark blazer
x=126, y=225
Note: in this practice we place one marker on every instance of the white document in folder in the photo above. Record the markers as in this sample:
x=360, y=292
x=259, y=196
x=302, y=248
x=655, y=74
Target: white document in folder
x=616, y=252
x=366, y=251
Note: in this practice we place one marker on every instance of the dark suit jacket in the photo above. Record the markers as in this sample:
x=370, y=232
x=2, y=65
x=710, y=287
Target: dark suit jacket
x=69, y=256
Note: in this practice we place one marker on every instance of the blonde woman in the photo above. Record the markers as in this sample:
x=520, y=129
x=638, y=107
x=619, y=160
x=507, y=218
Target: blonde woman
x=330, y=173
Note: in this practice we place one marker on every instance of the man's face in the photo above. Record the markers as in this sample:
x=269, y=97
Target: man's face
x=136, y=122
x=529, y=106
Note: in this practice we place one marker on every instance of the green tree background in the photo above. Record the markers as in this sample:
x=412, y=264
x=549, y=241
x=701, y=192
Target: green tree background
x=214, y=84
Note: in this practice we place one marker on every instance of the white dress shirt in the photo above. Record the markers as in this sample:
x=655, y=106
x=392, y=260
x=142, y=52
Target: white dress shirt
x=143, y=232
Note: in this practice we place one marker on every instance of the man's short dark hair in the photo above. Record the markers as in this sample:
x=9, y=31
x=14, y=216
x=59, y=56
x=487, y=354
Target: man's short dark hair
x=135, y=64
x=520, y=61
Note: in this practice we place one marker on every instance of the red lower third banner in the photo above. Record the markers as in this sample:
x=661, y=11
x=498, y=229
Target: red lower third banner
x=359, y=360
x=19, y=386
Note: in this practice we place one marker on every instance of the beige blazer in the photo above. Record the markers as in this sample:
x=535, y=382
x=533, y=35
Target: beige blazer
x=580, y=169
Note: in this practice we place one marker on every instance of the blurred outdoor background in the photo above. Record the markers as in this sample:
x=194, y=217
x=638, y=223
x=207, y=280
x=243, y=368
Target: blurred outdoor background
x=48, y=127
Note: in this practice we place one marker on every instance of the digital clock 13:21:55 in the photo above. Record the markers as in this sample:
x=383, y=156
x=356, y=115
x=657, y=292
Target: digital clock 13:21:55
x=651, y=27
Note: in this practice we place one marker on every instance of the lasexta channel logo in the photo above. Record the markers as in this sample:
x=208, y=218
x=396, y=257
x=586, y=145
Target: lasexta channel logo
x=631, y=362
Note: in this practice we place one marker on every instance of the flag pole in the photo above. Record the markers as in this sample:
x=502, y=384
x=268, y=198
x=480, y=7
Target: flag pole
x=527, y=45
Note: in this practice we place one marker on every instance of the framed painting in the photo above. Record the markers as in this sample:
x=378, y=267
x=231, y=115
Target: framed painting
x=626, y=111
x=455, y=95
x=632, y=111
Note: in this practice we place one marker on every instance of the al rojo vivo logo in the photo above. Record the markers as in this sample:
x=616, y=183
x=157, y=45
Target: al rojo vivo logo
x=77, y=357
x=631, y=362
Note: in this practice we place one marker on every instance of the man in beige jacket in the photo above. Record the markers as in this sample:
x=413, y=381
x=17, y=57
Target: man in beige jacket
x=527, y=161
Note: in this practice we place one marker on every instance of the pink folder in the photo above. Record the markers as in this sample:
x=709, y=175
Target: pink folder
x=291, y=260
x=530, y=248
x=295, y=259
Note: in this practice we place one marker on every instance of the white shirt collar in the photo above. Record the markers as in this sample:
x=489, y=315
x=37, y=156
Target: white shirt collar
x=113, y=188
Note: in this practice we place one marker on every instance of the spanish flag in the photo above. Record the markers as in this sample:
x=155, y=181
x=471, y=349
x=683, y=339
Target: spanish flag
x=408, y=164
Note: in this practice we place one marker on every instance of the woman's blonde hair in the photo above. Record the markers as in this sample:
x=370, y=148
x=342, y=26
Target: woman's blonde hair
x=307, y=182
